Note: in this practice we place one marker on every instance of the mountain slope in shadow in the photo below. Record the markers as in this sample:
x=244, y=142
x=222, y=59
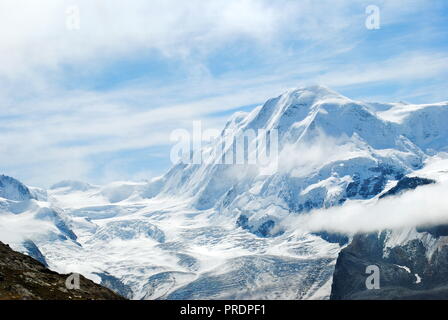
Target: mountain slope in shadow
x=23, y=278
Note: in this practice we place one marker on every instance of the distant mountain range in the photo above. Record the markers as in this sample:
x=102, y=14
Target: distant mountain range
x=218, y=231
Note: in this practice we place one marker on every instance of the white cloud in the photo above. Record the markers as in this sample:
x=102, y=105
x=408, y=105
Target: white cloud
x=61, y=129
x=48, y=132
x=425, y=206
x=410, y=65
x=35, y=31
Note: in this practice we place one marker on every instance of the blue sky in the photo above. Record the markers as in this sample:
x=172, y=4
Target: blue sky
x=99, y=103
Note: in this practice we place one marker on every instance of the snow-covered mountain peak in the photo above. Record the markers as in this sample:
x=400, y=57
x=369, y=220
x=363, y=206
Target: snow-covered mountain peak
x=13, y=189
x=195, y=231
x=292, y=106
x=330, y=149
x=317, y=92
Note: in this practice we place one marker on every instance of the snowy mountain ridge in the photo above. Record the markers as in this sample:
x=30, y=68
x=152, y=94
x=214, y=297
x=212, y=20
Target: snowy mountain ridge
x=213, y=231
x=331, y=149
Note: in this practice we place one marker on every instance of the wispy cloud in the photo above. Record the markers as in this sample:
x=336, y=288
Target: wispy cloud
x=411, y=65
x=226, y=54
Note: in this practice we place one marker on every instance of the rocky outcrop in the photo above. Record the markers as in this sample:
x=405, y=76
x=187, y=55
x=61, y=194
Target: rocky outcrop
x=411, y=270
x=412, y=263
x=405, y=184
x=23, y=278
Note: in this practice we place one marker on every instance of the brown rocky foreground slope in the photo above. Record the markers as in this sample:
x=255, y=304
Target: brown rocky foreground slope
x=23, y=278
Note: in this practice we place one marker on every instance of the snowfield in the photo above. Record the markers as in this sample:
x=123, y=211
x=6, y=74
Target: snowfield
x=161, y=249
x=215, y=231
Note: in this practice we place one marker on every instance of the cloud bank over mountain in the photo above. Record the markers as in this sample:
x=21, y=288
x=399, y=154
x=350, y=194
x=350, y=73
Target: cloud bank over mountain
x=423, y=207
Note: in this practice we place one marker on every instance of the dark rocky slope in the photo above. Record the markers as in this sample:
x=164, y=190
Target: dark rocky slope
x=416, y=268
x=426, y=278
x=23, y=278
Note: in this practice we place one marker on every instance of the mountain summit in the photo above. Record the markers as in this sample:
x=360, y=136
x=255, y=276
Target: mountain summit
x=13, y=189
x=331, y=149
x=222, y=231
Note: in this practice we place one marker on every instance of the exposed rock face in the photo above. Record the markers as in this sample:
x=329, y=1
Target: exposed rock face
x=413, y=262
x=23, y=278
x=333, y=237
x=415, y=269
x=407, y=183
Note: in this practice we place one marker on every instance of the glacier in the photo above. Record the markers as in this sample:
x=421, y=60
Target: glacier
x=215, y=231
